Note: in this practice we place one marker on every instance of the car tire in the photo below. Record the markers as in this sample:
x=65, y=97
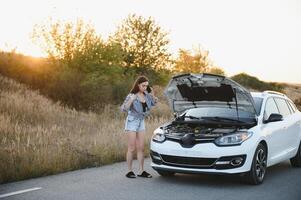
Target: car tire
x=296, y=161
x=259, y=164
x=165, y=173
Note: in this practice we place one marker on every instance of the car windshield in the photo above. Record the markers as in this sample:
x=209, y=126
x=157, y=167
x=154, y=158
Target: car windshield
x=221, y=112
x=258, y=103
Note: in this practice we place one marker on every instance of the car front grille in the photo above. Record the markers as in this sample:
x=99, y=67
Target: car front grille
x=192, y=162
x=188, y=140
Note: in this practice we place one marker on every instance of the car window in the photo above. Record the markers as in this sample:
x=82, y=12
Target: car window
x=290, y=106
x=270, y=107
x=283, y=107
x=258, y=104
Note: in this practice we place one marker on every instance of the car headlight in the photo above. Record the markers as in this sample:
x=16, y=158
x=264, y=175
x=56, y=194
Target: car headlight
x=234, y=139
x=159, y=135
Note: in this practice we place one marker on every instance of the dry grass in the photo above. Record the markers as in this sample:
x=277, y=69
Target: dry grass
x=39, y=137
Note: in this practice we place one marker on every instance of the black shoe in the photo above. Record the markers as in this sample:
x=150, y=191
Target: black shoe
x=145, y=175
x=130, y=174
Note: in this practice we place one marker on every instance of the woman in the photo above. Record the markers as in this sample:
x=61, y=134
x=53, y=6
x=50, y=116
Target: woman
x=137, y=104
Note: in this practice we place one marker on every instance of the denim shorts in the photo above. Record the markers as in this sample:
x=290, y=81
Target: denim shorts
x=134, y=124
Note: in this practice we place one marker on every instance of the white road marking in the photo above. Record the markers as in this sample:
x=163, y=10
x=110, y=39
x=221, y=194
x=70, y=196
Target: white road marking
x=19, y=192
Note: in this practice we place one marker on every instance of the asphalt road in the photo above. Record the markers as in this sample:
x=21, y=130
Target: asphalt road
x=108, y=182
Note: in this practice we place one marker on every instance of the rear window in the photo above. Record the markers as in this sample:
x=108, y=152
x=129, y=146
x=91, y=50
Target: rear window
x=292, y=105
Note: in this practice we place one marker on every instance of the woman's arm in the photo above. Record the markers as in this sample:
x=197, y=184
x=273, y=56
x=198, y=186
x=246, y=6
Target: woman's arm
x=154, y=99
x=128, y=102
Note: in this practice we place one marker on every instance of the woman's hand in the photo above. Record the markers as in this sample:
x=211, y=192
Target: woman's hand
x=153, y=95
x=152, y=92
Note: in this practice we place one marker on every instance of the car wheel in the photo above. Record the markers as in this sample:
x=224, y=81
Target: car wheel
x=296, y=161
x=165, y=173
x=259, y=164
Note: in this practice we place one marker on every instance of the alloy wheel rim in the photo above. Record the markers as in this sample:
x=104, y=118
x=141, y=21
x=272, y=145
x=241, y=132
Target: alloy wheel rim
x=260, y=166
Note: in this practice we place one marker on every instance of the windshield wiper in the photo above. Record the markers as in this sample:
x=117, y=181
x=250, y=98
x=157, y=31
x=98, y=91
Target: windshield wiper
x=223, y=119
x=192, y=117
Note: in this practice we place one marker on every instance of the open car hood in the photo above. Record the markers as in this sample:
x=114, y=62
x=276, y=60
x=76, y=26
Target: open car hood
x=187, y=91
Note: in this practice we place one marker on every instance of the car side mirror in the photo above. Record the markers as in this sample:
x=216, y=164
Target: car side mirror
x=274, y=117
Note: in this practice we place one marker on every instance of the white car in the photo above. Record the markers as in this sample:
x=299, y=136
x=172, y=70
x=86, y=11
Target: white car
x=220, y=127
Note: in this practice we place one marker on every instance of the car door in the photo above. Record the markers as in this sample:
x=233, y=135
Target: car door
x=291, y=126
x=297, y=124
x=273, y=132
x=297, y=119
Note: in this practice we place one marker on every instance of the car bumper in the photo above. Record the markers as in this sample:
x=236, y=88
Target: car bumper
x=202, y=158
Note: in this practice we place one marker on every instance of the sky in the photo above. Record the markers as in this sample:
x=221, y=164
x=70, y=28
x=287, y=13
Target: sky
x=258, y=37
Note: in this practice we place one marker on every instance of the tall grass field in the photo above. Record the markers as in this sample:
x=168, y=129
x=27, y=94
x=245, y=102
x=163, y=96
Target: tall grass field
x=39, y=137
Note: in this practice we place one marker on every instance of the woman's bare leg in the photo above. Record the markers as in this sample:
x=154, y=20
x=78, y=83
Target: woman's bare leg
x=140, y=150
x=131, y=138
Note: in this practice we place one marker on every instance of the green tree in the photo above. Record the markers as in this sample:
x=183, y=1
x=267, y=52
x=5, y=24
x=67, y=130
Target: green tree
x=144, y=42
x=67, y=42
x=85, y=69
x=195, y=61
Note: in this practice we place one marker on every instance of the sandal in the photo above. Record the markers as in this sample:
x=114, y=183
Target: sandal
x=145, y=175
x=130, y=174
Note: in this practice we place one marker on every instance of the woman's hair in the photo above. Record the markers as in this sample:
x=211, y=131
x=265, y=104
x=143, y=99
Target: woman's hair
x=139, y=80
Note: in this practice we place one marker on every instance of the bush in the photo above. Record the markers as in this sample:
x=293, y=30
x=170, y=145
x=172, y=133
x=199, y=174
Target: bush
x=256, y=84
